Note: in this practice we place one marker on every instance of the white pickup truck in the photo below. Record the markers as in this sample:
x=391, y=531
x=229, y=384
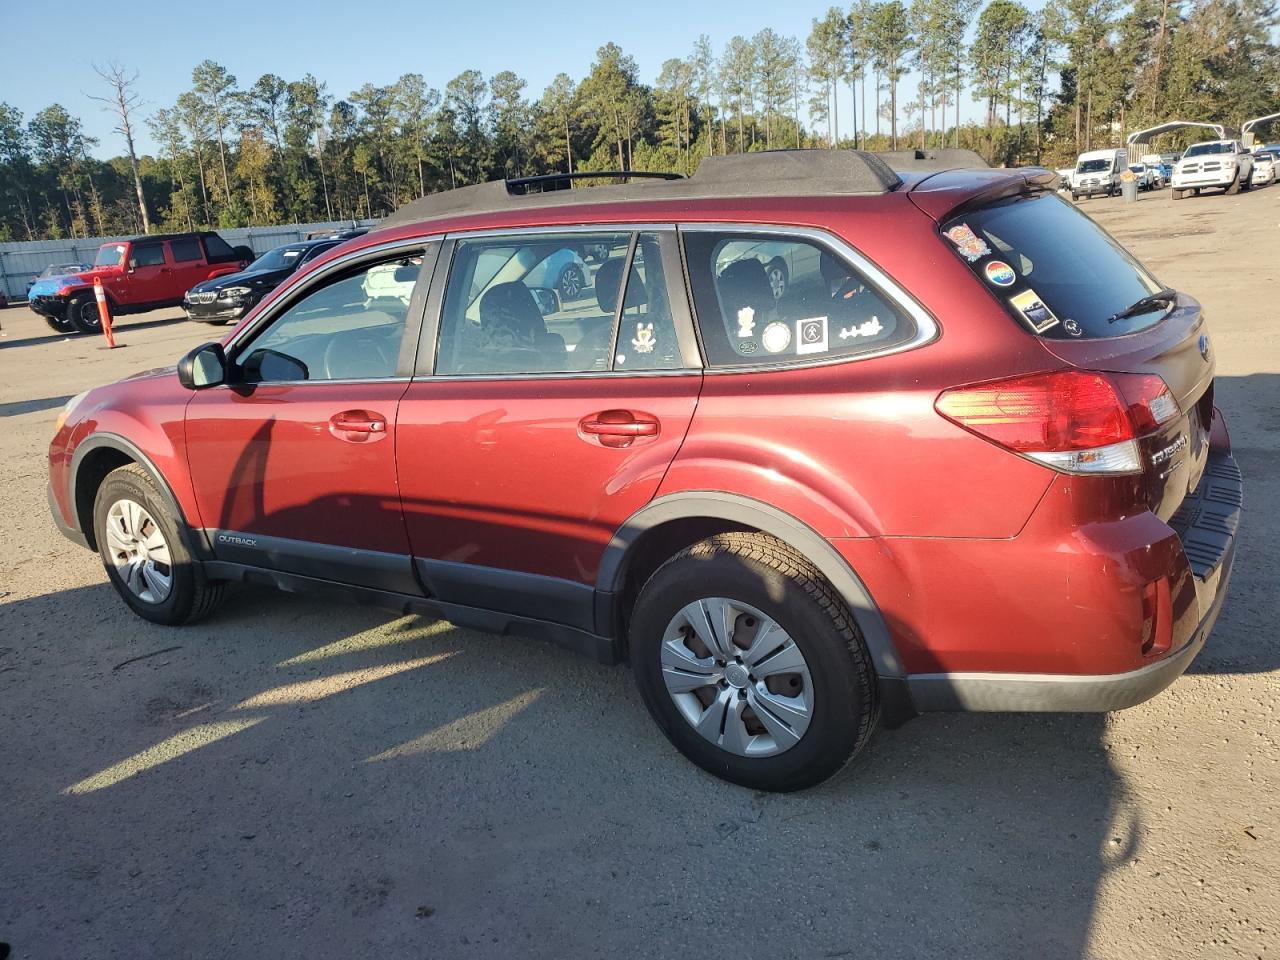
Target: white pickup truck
x=1217, y=163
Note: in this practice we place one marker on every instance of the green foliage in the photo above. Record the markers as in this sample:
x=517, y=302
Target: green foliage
x=1074, y=75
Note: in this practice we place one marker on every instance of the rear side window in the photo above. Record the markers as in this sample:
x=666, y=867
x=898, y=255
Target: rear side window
x=185, y=250
x=1053, y=269
x=766, y=298
x=217, y=247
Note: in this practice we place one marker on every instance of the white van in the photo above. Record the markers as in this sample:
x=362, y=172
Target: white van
x=1098, y=171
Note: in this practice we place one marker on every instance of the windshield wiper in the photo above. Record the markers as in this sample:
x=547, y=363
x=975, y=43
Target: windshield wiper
x=1167, y=296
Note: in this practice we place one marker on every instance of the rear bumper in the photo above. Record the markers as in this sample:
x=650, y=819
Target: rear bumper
x=1207, y=528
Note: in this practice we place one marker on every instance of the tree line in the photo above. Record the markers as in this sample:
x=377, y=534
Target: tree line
x=1075, y=75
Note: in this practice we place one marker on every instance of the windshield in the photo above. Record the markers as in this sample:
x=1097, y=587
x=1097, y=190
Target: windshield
x=1053, y=269
x=1137, y=168
x=110, y=255
x=1205, y=149
x=61, y=269
x=1093, y=166
x=281, y=258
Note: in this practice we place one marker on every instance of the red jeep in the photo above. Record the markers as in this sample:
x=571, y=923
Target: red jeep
x=141, y=274
x=965, y=458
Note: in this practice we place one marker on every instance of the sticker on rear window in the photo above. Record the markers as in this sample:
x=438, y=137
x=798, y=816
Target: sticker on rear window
x=811, y=335
x=1072, y=328
x=1033, y=310
x=776, y=337
x=971, y=247
x=1000, y=273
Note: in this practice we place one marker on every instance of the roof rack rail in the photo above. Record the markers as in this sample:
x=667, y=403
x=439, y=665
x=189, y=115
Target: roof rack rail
x=519, y=186
x=769, y=173
x=941, y=158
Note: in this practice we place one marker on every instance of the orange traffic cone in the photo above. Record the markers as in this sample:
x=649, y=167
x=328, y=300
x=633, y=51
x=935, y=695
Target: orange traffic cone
x=104, y=311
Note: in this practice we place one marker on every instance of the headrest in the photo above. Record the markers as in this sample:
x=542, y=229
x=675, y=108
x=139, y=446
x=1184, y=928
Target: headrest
x=609, y=279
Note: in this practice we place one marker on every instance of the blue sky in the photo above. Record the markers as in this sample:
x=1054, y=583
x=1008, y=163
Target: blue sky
x=48, y=58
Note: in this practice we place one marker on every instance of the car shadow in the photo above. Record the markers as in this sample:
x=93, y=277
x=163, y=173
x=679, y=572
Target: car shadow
x=298, y=776
x=120, y=325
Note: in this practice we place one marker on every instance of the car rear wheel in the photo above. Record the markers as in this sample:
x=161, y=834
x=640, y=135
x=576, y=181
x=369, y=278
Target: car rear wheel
x=144, y=553
x=776, y=271
x=571, y=283
x=752, y=665
x=82, y=311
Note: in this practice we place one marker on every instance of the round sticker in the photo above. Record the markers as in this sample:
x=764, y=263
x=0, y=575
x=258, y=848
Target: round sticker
x=1000, y=273
x=1072, y=327
x=776, y=337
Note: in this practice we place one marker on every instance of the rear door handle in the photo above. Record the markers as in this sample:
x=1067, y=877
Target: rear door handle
x=618, y=428
x=358, y=426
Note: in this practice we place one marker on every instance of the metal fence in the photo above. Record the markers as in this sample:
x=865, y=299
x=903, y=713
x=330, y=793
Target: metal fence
x=22, y=262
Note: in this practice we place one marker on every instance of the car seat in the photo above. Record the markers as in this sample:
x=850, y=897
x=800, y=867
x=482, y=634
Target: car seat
x=744, y=283
x=514, y=336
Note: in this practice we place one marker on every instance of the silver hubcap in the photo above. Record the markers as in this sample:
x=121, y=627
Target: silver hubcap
x=571, y=284
x=139, y=551
x=737, y=677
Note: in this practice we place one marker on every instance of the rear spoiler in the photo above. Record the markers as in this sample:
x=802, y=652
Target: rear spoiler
x=950, y=192
x=942, y=159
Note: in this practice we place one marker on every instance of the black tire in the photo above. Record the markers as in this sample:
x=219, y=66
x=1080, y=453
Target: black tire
x=762, y=572
x=1177, y=194
x=1234, y=187
x=59, y=324
x=778, y=276
x=82, y=311
x=1075, y=196
x=191, y=596
x=571, y=283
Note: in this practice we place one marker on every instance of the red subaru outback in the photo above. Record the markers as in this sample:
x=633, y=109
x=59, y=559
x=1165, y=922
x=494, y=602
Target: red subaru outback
x=816, y=444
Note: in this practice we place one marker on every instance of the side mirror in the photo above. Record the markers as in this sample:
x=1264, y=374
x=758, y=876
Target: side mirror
x=269, y=366
x=205, y=366
x=547, y=299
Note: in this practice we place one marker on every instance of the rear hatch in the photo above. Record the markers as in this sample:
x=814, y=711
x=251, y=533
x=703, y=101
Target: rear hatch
x=1093, y=306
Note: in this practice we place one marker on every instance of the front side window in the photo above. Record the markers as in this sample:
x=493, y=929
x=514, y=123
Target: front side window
x=148, y=255
x=532, y=304
x=185, y=250
x=772, y=298
x=338, y=331
x=1053, y=269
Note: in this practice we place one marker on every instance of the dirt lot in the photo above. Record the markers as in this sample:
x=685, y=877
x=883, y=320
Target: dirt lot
x=294, y=778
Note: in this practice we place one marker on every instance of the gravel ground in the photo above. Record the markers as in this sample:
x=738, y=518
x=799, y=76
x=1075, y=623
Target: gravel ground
x=295, y=778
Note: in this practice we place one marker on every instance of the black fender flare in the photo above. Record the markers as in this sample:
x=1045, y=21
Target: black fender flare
x=113, y=441
x=733, y=508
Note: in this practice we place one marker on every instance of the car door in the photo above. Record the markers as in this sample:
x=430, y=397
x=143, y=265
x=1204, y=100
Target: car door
x=189, y=264
x=149, y=275
x=293, y=461
x=536, y=427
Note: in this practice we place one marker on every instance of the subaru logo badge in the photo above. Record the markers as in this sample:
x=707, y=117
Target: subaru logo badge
x=1204, y=346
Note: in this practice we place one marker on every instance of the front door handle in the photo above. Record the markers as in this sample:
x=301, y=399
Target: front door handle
x=618, y=428
x=358, y=426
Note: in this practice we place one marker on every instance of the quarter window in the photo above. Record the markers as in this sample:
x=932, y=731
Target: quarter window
x=218, y=248
x=350, y=328
x=647, y=334
x=768, y=299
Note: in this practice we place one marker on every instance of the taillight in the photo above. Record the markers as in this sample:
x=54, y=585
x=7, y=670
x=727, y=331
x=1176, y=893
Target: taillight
x=1073, y=421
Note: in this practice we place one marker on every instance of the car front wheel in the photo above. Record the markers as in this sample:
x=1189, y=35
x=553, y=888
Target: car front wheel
x=144, y=553
x=82, y=311
x=59, y=324
x=752, y=665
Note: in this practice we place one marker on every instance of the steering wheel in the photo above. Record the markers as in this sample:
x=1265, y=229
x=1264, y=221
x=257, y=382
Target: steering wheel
x=356, y=355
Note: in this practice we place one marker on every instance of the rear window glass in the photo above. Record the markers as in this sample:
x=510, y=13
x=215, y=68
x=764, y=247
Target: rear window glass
x=1053, y=269
x=769, y=298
